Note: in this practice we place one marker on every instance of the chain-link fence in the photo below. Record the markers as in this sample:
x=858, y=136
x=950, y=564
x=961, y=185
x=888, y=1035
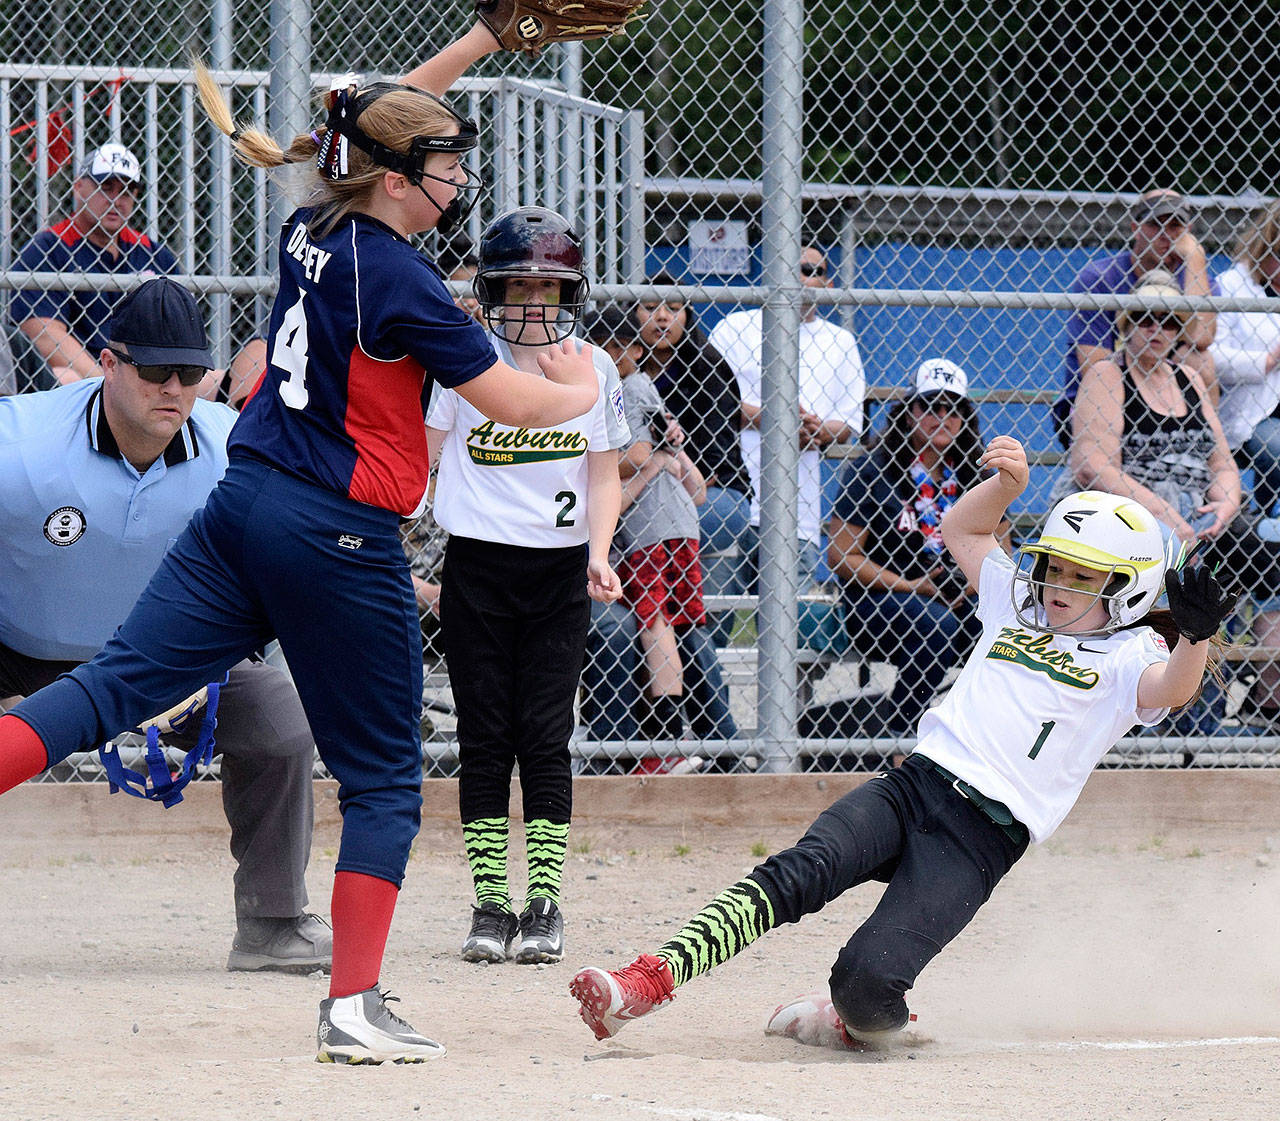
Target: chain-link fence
x=789, y=209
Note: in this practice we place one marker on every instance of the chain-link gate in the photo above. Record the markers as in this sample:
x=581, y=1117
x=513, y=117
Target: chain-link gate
x=789, y=210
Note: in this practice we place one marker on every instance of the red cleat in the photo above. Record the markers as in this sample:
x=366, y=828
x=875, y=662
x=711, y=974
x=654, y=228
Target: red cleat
x=608, y=999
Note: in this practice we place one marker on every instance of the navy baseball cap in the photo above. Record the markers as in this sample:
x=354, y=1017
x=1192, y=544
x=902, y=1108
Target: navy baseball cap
x=159, y=324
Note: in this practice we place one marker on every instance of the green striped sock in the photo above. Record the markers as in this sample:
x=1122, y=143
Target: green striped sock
x=724, y=927
x=545, y=843
x=485, y=840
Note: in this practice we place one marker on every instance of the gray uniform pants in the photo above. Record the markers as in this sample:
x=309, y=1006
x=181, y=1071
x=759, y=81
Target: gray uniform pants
x=266, y=751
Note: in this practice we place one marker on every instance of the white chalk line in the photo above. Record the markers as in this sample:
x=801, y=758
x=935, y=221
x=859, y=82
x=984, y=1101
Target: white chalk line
x=686, y=1114
x=1139, y=1044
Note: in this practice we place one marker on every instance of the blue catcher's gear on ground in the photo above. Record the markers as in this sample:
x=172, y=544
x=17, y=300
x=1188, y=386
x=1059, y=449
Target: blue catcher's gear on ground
x=158, y=784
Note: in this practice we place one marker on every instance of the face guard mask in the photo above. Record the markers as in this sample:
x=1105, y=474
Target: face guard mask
x=342, y=129
x=1028, y=591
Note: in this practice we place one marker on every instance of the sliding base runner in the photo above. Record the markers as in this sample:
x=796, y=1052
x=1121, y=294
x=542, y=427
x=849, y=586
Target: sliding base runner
x=1070, y=658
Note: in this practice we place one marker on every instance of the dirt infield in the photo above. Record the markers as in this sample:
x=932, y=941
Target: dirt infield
x=1130, y=968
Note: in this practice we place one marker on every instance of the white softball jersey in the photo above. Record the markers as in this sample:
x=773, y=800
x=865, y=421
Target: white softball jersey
x=523, y=486
x=1032, y=712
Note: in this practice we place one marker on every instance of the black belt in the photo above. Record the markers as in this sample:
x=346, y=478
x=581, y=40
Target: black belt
x=995, y=812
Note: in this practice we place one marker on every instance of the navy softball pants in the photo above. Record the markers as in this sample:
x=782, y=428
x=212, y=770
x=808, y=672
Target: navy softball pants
x=273, y=556
x=940, y=857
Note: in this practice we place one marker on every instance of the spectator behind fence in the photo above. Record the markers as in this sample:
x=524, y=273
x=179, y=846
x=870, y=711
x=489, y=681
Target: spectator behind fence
x=610, y=695
x=96, y=479
x=906, y=600
x=661, y=574
x=458, y=261
x=67, y=329
x=1144, y=427
x=832, y=389
x=699, y=387
x=1161, y=237
x=1246, y=356
x=8, y=377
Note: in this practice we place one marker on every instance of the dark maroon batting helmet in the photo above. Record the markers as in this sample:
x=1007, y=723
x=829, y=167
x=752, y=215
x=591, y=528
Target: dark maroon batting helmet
x=530, y=242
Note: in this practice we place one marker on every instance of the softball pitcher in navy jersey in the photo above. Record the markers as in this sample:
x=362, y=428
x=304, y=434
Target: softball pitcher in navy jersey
x=300, y=540
x=1071, y=657
x=531, y=514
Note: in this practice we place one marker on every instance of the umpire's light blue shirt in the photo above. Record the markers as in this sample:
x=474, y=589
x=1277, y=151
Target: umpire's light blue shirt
x=81, y=531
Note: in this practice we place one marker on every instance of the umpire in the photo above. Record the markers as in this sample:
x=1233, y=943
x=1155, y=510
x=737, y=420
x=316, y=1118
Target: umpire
x=97, y=478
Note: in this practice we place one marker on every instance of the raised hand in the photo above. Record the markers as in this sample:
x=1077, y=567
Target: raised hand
x=1197, y=602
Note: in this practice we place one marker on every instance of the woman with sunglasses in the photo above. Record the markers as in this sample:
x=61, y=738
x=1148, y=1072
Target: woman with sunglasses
x=905, y=599
x=1145, y=428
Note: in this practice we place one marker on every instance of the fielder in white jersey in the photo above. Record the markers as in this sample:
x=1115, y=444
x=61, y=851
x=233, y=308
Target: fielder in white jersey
x=1071, y=657
x=531, y=515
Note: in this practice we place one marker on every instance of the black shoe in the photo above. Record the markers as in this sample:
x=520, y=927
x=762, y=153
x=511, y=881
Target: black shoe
x=301, y=944
x=541, y=934
x=493, y=930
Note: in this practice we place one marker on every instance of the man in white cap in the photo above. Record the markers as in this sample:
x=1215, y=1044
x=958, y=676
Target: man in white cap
x=66, y=328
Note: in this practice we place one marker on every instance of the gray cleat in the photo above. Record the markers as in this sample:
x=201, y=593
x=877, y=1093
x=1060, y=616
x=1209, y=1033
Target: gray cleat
x=301, y=944
x=493, y=930
x=361, y=1030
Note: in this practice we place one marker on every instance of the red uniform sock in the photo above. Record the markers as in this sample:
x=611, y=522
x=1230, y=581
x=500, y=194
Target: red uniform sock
x=22, y=752
x=361, y=909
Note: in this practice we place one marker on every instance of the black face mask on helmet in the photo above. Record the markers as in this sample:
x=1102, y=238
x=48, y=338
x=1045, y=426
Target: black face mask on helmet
x=342, y=128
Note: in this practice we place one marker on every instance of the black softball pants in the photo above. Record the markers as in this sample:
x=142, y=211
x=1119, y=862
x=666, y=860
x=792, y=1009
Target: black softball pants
x=514, y=624
x=940, y=857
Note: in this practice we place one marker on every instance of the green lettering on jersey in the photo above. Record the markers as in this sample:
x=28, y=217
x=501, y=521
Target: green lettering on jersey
x=492, y=446
x=1036, y=652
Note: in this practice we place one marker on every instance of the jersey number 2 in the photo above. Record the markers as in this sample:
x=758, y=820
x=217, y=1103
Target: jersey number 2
x=570, y=500
x=1045, y=729
x=289, y=352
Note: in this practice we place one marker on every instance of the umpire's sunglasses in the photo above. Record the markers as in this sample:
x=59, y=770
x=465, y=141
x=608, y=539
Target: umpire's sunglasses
x=808, y=268
x=158, y=375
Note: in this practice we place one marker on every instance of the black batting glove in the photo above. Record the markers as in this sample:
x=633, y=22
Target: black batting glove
x=1197, y=602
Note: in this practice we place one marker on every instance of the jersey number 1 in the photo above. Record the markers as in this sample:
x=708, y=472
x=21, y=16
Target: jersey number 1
x=289, y=352
x=1045, y=729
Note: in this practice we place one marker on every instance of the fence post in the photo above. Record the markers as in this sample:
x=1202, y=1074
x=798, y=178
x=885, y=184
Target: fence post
x=289, y=51
x=221, y=58
x=633, y=159
x=783, y=177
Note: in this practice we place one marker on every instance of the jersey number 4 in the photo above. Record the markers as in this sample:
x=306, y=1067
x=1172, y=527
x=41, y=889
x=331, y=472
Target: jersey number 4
x=289, y=352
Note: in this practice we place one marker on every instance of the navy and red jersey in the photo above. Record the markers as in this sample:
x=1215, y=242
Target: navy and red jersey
x=361, y=329
x=62, y=248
